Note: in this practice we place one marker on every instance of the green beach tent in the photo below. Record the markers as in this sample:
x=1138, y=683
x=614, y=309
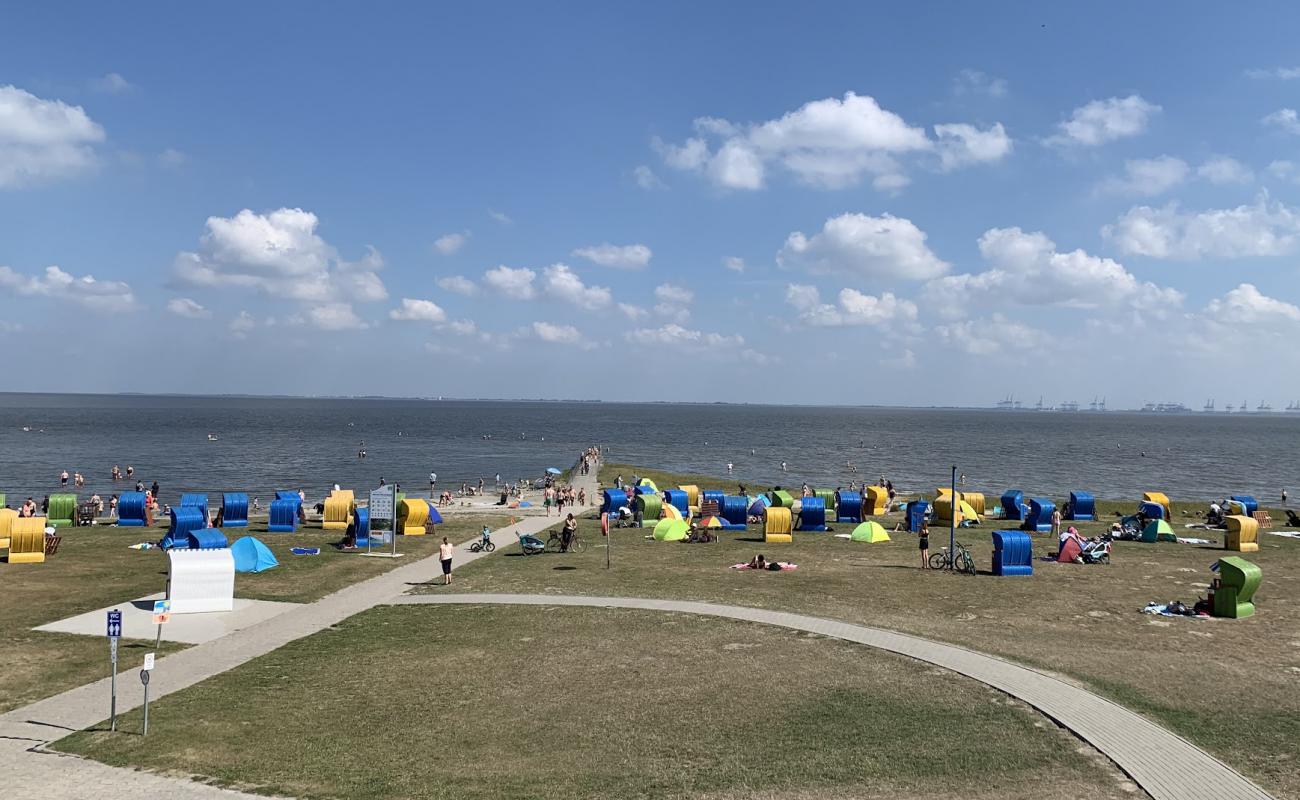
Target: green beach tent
x=1157, y=530
x=869, y=532
x=670, y=530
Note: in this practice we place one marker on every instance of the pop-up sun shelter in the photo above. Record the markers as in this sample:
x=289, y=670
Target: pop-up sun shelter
x=759, y=505
x=869, y=532
x=1157, y=530
x=670, y=530
x=251, y=555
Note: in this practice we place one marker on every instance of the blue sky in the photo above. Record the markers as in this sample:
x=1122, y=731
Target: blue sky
x=846, y=203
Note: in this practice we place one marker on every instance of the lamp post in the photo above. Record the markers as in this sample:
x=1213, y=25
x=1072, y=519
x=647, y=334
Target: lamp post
x=952, y=522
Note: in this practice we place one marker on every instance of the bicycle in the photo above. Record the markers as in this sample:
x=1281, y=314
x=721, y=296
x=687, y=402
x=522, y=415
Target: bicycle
x=555, y=543
x=964, y=562
x=483, y=545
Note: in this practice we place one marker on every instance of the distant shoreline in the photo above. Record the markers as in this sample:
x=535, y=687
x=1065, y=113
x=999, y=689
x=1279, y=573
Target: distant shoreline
x=544, y=400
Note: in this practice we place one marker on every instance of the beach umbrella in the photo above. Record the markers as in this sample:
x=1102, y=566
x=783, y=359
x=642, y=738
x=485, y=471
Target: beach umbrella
x=554, y=470
x=713, y=522
x=869, y=532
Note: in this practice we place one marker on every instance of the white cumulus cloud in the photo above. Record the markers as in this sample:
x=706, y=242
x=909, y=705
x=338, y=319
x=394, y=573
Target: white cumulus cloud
x=458, y=284
x=647, y=179
x=1262, y=229
x=830, y=143
x=112, y=83
x=874, y=248
x=734, y=263
x=1221, y=170
x=1103, y=121
x=994, y=335
x=559, y=334
x=334, y=317
x=670, y=293
x=279, y=254
x=852, y=307
x=1027, y=269
x=674, y=335
x=413, y=310
x=86, y=291
x=43, y=140
x=1284, y=119
x=629, y=256
x=449, y=243
x=1147, y=176
x=516, y=284
x=1246, y=305
x=972, y=81
x=562, y=283
x=1278, y=73
x=185, y=307
x=960, y=144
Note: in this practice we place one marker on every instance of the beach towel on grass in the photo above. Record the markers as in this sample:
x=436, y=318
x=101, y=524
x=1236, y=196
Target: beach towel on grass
x=1287, y=534
x=305, y=551
x=1191, y=540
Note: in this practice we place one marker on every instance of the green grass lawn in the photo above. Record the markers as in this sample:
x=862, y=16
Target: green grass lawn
x=1229, y=685
x=95, y=568
x=499, y=702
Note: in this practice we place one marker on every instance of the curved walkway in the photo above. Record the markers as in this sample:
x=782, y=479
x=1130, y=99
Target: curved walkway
x=1165, y=765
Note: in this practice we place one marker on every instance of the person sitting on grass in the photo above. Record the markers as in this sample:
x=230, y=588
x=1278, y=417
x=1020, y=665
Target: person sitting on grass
x=758, y=562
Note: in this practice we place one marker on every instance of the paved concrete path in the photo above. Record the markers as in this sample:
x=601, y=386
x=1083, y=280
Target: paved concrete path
x=1165, y=765
x=27, y=770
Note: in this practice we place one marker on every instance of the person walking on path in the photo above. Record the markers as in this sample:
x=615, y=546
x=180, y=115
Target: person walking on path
x=445, y=551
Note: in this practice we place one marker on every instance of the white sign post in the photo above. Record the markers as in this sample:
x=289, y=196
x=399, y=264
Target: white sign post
x=383, y=507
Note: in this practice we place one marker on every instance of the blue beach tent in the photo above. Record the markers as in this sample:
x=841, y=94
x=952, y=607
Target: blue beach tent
x=251, y=555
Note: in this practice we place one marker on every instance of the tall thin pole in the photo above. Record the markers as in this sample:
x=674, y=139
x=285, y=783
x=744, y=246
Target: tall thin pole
x=954, y=510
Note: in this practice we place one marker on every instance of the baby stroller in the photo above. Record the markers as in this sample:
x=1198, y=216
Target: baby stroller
x=530, y=544
x=1096, y=551
x=484, y=544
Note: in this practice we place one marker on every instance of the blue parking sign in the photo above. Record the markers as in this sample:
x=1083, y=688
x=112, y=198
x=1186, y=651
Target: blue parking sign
x=114, y=624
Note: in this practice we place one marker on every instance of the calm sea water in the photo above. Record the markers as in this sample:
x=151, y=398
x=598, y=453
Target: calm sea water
x=269, y=444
